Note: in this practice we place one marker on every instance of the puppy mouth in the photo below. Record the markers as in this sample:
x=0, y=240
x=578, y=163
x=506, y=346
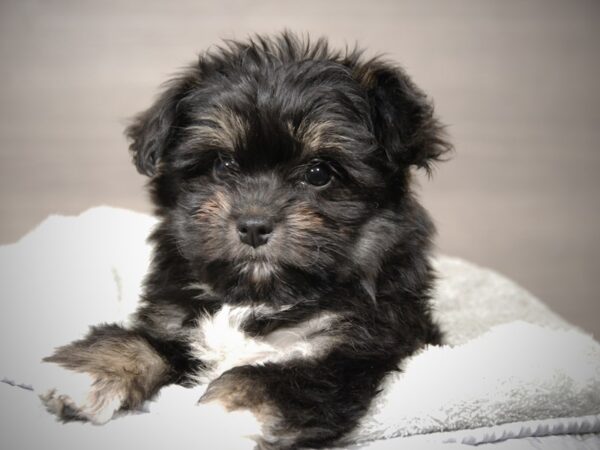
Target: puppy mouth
x=257, y=270
x=250, y=253
x=263, y=256
x=258, y=263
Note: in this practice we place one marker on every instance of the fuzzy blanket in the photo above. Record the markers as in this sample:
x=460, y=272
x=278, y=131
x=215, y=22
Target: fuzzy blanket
x=510, y=367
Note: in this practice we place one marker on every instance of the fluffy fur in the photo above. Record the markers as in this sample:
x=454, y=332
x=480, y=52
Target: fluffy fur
x=290, y=269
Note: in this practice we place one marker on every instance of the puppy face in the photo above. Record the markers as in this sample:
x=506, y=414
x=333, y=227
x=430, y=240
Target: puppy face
x=277, y=157
x=275, y=172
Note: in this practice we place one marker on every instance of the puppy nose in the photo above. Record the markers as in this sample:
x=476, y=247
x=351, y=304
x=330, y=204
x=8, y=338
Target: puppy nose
x=254, y=231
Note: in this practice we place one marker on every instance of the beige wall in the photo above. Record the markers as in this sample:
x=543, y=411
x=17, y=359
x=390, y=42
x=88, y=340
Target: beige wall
x=516, y=81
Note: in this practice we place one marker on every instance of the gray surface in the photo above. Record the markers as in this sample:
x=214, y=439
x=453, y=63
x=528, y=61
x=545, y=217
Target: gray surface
x=516, y=82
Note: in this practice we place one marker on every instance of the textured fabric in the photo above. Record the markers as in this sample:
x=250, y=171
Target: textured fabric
x=561, y=434
x=515, y=372
x=509, y=360
x=528, y=363
x=470, y=300
x=552, y=434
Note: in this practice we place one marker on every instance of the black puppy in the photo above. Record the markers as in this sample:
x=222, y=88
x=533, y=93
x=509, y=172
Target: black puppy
x=290, y=268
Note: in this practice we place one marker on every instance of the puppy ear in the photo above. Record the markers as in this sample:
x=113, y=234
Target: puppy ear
x=403, y=117
x=151, y=131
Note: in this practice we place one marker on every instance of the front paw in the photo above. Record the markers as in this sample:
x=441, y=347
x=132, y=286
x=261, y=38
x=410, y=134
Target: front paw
x=242, y=389
x=67, y=410
x=72, y=396
x=237, y=389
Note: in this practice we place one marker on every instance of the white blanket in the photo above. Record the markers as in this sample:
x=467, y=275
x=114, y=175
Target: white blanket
x=510, y=365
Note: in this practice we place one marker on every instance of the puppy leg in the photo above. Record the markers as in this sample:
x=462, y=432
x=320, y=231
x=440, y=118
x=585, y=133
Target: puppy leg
x=125, y=371
x=302, y=404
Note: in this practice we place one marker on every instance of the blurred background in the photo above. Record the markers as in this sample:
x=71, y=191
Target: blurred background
x=515, y=81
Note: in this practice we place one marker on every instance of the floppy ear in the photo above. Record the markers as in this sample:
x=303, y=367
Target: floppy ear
x=152, y=131
x=403, y=117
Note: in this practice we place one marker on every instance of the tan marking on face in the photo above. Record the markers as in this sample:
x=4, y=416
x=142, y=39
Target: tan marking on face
x=303, y=218
x=218, y=206
x=318, y=135
x=314, y=135
x=227, y=129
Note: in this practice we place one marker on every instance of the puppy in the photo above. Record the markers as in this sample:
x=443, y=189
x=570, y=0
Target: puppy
x=290, y=268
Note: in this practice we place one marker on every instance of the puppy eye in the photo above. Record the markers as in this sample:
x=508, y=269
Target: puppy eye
x=318, y=174
x=224, y=165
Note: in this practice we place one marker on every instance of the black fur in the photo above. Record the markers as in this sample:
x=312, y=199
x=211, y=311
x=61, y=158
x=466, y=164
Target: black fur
x=236, y=132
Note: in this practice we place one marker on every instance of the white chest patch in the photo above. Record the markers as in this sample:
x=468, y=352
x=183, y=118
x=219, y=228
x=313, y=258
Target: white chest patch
x=221, y=344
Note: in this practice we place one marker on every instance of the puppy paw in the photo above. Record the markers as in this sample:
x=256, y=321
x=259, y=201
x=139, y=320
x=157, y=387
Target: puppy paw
x=241, y=390
x=243, y=428
x=67, y=410
x=72, y=396
x=236, y=390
